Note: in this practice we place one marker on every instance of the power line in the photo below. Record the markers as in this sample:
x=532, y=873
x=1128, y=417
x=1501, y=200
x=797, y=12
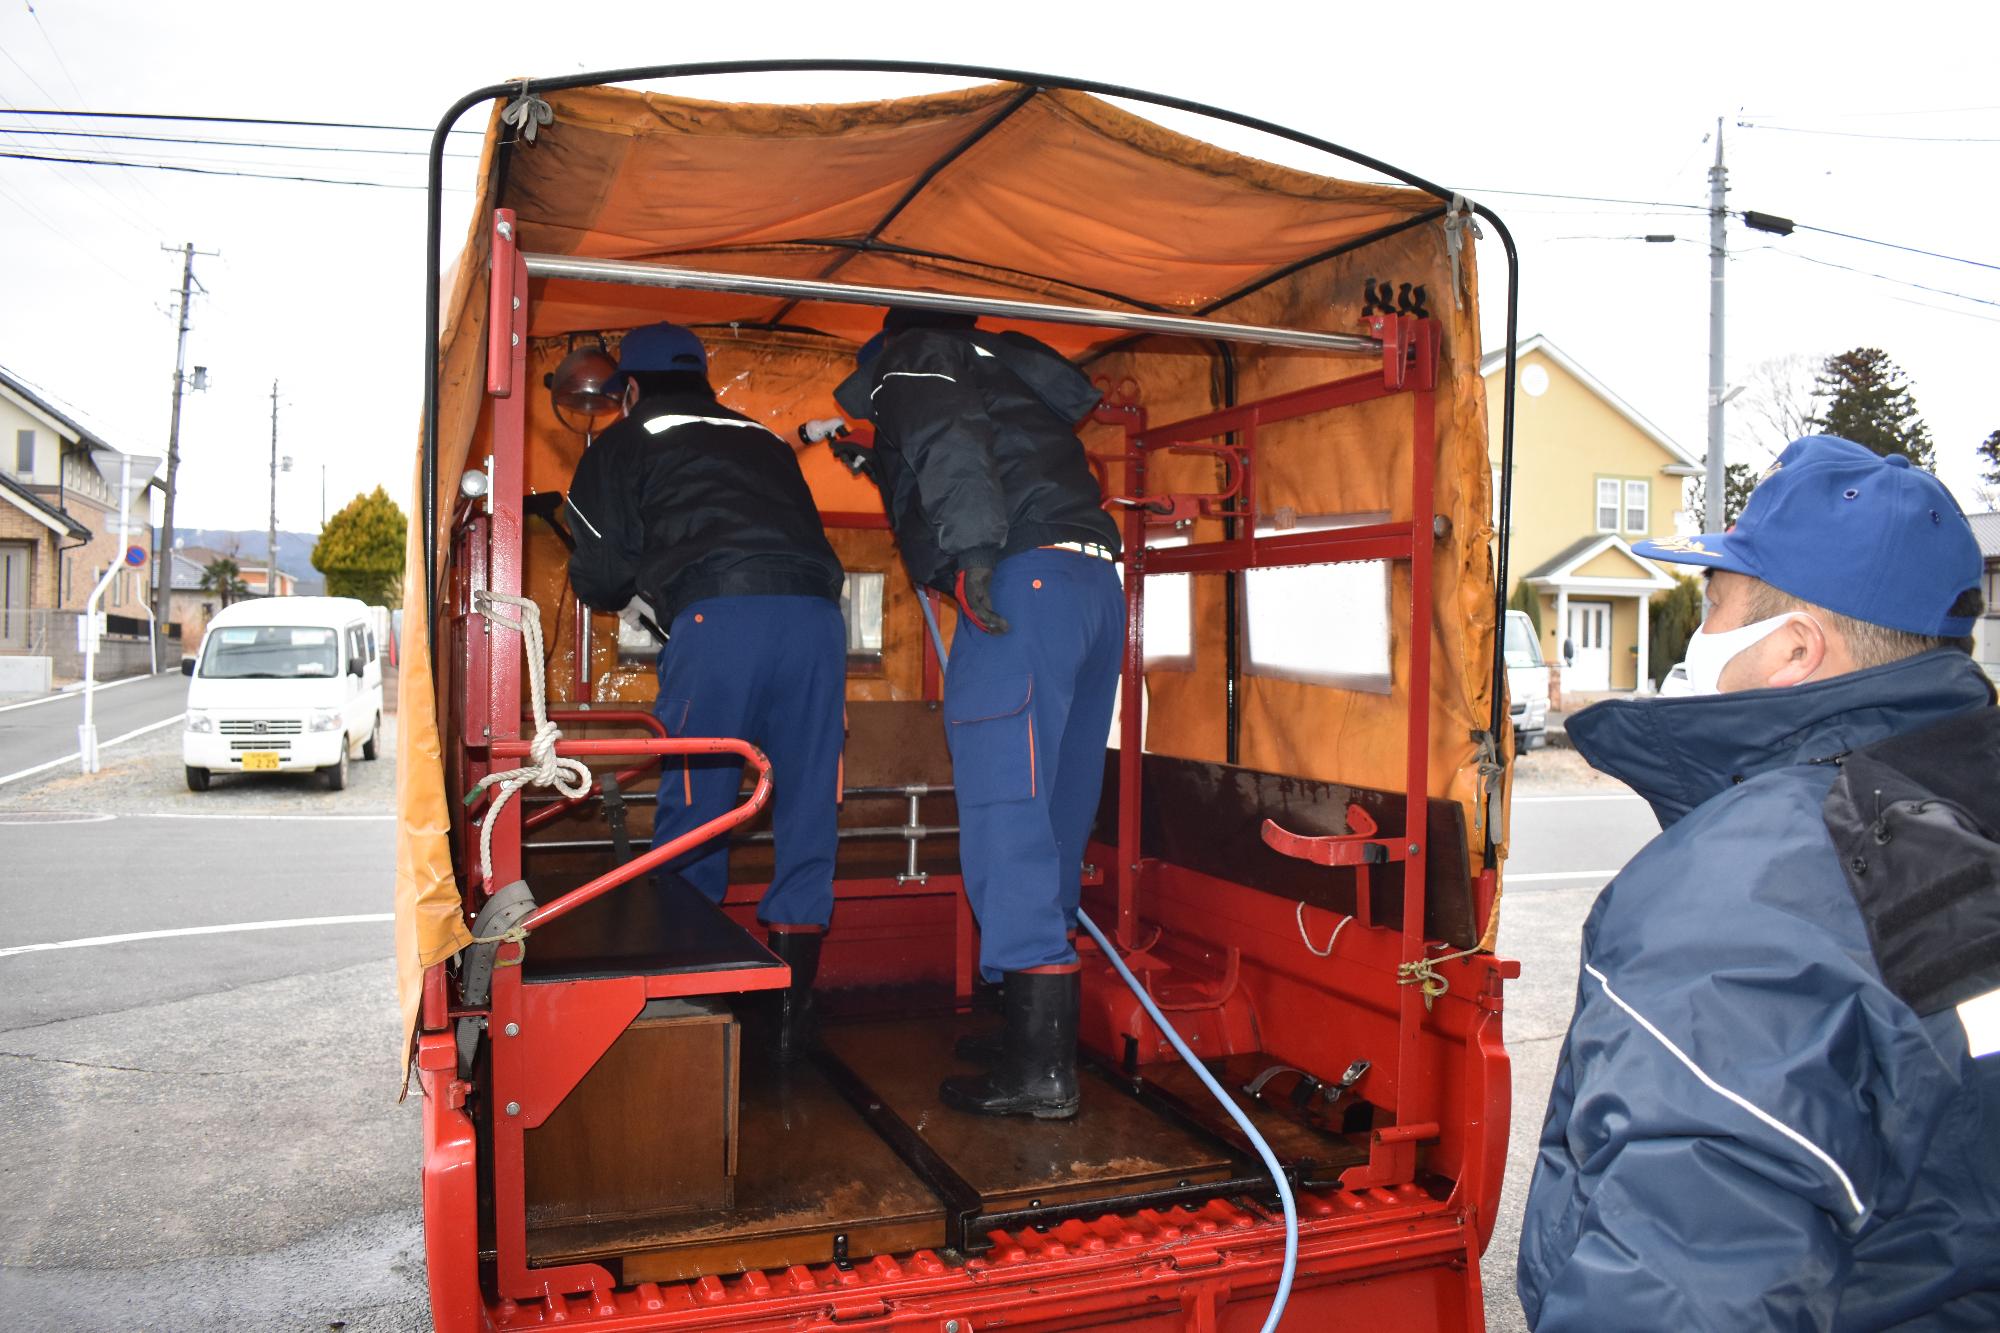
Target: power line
x=208, y=171
x=230, y=120
x=1900, y=282
x=1858, y=134
x=1589, y=199
x=122, y=136
x=1891, y=245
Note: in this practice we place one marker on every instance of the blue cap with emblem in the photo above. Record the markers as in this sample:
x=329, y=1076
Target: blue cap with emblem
x=1836, y=524
x=658, y=348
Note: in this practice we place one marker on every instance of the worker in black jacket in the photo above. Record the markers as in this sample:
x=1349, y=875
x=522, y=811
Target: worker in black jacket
x=993, y=501
x=704, y=515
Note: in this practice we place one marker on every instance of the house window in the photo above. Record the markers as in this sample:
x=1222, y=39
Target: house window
x=861, y=608
x=1323, y=624
x=1607, y=504
x=1169, y=613
x=1638, y=507
x=24, y=452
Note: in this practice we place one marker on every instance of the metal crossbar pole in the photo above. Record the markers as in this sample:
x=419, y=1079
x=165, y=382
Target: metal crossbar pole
x=635, y=274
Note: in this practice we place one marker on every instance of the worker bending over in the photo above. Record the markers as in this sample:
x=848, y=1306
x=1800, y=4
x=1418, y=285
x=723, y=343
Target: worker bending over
x=704, y=514
x=993, y=502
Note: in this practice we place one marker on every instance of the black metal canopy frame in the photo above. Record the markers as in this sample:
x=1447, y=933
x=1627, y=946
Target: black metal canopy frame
x=433, y=261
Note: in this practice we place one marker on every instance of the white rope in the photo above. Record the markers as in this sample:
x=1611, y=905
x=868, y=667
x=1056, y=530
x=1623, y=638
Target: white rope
x=545, y=768
x=1332, y=939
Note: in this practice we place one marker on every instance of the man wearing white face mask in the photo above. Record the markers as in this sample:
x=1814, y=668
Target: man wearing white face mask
x=1778, y=1105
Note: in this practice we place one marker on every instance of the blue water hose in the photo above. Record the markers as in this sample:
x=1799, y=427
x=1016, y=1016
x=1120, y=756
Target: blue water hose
x=1284, y=1293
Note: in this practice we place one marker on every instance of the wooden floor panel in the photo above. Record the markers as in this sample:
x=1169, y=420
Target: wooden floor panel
x=1113, y=1146
x=808, y=1169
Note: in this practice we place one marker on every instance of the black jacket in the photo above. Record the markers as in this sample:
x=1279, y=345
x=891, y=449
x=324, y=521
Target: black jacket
x=976, y=449
x=686, y=499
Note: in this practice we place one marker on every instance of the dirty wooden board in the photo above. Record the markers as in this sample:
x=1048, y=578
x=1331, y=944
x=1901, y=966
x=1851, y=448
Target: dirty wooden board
x=1113, y=1146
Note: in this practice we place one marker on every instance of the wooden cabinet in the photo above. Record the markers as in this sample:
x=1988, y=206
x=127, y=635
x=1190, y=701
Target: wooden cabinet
x=652, y=1128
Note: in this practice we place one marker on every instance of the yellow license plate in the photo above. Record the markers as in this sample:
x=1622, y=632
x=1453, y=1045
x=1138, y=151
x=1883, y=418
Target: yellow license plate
x=260, y=761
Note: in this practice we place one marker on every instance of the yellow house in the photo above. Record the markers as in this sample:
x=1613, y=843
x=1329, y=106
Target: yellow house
x=1591, y=476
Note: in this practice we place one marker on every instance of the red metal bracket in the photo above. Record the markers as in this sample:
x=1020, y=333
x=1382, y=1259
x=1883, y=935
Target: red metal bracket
x=1355, y=848
x=1392, y=1157
x=503, y=299
x=1180, y=506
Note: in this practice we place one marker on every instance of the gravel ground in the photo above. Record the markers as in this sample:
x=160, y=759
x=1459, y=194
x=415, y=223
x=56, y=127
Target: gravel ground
x=146, y=776
x=1552, y=768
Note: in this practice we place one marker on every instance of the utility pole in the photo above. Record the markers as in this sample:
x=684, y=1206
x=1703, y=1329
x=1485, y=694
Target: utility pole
x=1715, y=507
x=163, y=555
x=271, y=535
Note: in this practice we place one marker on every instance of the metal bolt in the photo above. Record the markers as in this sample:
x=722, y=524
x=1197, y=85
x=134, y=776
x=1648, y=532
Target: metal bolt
x=517, y=303
x=514, y=339
x=513, y=1108
x=951, y=1326
x=1415, y=848
x=506, y=229
x=513, y=1029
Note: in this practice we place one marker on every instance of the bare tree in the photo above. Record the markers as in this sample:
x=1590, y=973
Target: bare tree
x=1781, y=402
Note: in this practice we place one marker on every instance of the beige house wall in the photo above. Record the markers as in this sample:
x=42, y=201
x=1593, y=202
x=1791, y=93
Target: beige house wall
x=16, y=526
x=1565, y=439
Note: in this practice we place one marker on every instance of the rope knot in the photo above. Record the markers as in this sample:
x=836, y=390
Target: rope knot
x=546, y=768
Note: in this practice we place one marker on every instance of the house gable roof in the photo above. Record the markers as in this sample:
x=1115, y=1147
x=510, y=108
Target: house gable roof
x=1561, y=569
x=1496, y=361
x=14, y=387
x=41, y=510
x=1986, y=528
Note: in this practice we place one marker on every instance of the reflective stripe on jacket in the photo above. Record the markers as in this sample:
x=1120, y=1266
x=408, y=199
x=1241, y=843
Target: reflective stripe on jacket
x=685, y=499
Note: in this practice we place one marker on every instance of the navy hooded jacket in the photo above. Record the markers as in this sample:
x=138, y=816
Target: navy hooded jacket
x=1749, y=1129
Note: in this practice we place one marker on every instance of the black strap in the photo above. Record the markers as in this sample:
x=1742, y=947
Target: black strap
x=1916, y=821
x=614, y=815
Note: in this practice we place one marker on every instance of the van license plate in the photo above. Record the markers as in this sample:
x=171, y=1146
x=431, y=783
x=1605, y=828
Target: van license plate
x=260, y=761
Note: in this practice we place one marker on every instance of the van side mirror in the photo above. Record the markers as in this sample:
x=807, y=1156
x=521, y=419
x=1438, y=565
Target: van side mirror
x=1569, y=651
x=187, y=666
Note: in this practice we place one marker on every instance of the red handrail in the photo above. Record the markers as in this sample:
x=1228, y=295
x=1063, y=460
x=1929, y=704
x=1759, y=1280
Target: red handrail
x=635, y=717
x=658, y=856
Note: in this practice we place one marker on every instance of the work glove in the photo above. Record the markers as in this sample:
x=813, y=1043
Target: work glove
x=858, y=459
x=638, y=629
x=975, y=599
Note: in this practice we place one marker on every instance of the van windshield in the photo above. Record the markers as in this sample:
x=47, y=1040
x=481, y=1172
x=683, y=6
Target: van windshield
x=240, y=652
x=1521, y=648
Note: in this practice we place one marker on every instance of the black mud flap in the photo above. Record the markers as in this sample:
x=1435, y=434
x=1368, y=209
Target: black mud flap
x=503, y=911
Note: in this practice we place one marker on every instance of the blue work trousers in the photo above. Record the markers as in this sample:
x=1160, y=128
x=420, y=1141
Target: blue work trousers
x=770, y=670
x=1028, y=713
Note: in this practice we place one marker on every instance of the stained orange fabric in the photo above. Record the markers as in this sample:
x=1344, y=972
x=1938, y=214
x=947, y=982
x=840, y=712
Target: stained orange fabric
x=1051, y=196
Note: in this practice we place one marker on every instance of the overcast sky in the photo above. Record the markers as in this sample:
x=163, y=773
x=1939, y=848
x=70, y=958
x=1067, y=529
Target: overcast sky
x=1880, y=123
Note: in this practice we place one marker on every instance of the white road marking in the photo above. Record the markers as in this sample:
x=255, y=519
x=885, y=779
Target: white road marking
x=321, y=819
x=1581, y=796
x=77, y=755
x=33, y=819
x=75, y=692
x=95, y=940
x=1508, y=877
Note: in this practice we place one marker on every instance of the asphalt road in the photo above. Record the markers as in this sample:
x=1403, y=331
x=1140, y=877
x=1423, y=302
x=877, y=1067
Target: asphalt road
x=39, y=734
x=200, y=1131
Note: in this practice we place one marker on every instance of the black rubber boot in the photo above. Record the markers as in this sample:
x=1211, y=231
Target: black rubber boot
x=980, y=1048
x=793, y=1030
x=1036, y=1072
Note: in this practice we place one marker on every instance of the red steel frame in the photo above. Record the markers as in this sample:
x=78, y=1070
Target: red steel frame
x=545, y=1036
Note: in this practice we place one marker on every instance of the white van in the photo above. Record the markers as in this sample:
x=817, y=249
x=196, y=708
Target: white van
x=283, y=684
x=1527, y=683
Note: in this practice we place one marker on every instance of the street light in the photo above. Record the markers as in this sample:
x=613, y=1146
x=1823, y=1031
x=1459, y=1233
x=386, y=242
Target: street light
x=135, y=472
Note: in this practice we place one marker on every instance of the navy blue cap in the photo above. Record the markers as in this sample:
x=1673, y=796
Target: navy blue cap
x=1838, y=525
x=658, y=347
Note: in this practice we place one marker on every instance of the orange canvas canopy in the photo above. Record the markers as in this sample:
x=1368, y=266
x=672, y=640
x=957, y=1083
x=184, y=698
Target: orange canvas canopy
x=1007, y=191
